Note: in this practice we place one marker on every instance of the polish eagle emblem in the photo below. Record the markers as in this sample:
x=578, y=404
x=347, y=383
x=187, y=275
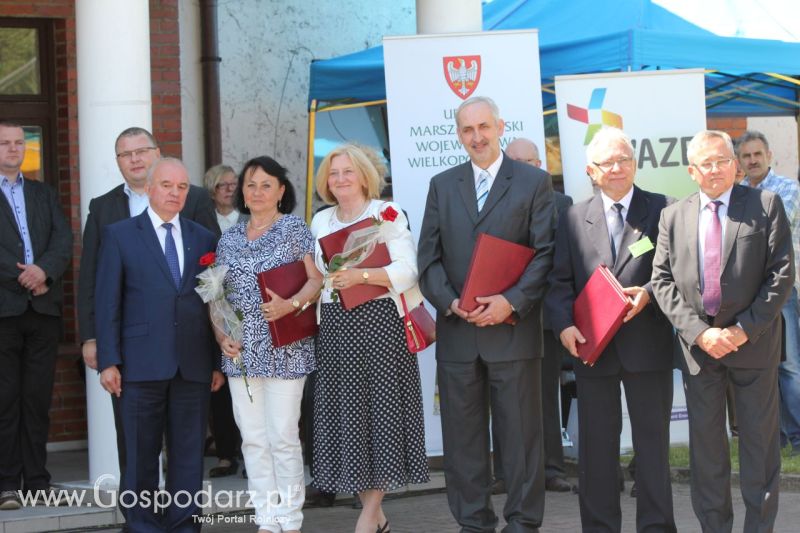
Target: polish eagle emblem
x=462, y=74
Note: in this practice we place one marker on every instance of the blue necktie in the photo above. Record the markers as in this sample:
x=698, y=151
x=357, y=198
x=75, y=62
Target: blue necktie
x=482, y=189
x=171, y=252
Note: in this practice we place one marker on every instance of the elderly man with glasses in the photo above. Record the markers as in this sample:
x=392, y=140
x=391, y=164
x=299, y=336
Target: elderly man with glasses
x=618, y=228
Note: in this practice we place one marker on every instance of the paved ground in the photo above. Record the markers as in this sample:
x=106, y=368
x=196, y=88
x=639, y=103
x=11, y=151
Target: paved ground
x=429, y=513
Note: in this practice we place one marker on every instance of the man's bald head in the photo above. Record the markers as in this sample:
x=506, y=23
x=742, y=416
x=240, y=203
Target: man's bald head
x=524, y=150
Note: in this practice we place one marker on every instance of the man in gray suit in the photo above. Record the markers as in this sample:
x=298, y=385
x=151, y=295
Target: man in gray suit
x=722, y=270
x=477, y=352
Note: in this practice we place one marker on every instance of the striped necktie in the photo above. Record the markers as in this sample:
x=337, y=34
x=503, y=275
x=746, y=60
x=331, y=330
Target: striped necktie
x=482, y=190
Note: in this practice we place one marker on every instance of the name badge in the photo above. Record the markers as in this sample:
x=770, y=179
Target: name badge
x=642, y=246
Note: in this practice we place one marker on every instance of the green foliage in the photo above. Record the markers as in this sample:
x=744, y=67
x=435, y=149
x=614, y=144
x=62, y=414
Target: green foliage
x=679, y=458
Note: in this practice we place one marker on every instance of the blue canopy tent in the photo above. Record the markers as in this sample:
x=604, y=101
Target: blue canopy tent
x=584, y=36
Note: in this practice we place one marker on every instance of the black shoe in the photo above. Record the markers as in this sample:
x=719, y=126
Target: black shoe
x=357, y=502
x=224, y=471
x=9, y=500
x=318, y=498
x=634, y=492
x=499, y=486
x=557, y=484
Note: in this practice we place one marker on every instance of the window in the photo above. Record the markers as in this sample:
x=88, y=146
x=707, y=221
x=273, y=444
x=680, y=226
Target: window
x=27, y=91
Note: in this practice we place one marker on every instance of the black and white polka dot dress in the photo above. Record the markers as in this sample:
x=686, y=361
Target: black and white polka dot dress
x=368, y=420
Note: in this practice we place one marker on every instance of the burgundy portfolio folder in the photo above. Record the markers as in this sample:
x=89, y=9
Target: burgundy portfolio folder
x=598, y=312
x=333, y=243
x=496, y=265
x=286, y=280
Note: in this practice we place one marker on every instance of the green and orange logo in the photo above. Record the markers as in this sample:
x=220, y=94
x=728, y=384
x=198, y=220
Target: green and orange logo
x=595, y=117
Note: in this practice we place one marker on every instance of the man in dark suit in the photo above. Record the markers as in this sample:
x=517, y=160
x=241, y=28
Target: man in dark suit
x=722, y=271
x=35, y=250
x=155, y=348
x=477, y=352
x=617, y=227
x=526, y=151
x=136, y=151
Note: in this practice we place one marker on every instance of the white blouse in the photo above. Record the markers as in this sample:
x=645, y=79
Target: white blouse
x=402, y=271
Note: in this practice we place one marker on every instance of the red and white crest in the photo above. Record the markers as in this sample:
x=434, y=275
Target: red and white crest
x=462, y=74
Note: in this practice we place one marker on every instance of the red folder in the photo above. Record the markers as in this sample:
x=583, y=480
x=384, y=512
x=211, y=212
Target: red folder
x=286, y=280
x=333, y=243
x=598, y=312
x=496, y=266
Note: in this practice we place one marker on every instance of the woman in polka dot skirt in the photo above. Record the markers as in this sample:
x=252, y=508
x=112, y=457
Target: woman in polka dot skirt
x=369, y=434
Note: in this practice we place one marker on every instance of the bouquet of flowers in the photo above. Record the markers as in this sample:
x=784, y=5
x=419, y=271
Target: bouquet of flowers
x=223, y=317
x=361, y=243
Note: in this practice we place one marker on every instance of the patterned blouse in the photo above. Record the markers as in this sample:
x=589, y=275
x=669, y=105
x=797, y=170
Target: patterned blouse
x=288, y=240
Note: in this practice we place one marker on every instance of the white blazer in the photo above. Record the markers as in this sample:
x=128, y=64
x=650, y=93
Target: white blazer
x=402, y=271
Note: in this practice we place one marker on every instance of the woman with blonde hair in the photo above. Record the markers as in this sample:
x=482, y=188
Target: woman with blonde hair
x=368, y=423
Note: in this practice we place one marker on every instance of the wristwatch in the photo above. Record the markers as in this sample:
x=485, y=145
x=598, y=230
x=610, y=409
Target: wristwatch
x=296, y=303
x=365, y=276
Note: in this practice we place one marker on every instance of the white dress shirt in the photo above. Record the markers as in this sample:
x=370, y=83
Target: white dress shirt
x=611, y=212
x=161, y=233
x=492, y=169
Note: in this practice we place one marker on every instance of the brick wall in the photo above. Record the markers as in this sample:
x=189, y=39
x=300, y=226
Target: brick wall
x=165, y=75
x=733, y=126
x=68, y=410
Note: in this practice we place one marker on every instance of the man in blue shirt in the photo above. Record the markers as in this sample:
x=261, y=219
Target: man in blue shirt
x=35, y=250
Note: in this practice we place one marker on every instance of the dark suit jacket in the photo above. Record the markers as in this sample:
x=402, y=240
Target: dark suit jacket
x=562, y=202
x=582, y=243
x=519, y=208
x=143, y=322
x=757, y=274
x=51, y=238
x=113, y=207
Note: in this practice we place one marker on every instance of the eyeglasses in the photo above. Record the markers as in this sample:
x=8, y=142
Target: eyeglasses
x=227, y=186
x=606, y=166
x=709, y=166
x=139, y=152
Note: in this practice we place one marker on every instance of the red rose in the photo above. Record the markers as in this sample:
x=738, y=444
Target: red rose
x=389, y=214
x=208, y=259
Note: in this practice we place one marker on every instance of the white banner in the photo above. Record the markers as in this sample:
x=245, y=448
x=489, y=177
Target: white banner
x=659, y=110
x=427, y=78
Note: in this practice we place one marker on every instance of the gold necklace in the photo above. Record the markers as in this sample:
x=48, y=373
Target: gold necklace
x=341, y=214
x=268, y=224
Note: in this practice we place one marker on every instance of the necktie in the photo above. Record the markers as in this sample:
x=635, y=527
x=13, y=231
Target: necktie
x=712, y=294
x=171, y=253
x=483, y=189
x=617, y=225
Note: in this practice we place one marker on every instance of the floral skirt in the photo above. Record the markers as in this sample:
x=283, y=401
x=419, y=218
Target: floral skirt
x=369, y=431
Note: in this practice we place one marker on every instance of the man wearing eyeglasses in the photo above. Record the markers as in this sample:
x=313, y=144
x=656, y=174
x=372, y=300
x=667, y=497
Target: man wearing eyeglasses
x=754, y=158
x=136, y=151
x=722, y=271
x=617, y=227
